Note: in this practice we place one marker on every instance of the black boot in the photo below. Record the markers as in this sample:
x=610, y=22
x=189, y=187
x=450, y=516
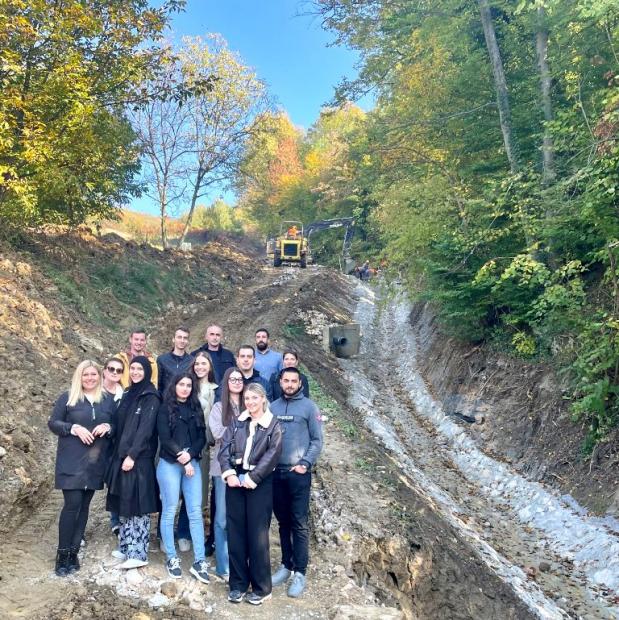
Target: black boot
x=73, y=562
x=62, y=562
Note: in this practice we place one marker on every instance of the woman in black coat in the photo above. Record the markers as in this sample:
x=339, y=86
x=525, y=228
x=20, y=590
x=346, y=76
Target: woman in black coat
x=132, y=485
x=82, y=419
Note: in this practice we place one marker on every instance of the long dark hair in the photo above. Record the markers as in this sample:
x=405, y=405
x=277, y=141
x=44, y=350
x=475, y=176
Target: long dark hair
x=171, y=402
x=227, y=413
x=210, y=377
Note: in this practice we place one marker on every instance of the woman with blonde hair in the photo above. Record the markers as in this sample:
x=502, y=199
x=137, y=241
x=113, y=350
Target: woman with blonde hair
x=82, y=419
x=112, y=374
x=251, y=447
x=113, y=370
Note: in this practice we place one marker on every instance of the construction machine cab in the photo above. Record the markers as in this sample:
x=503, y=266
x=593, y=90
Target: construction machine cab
x=290, y=246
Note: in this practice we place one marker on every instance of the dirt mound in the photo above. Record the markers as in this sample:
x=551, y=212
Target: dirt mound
x=37, y=347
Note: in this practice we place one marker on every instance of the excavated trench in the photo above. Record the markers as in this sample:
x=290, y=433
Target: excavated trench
x=514, y=538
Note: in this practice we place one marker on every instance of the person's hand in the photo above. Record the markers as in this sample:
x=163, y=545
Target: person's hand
x=128, y=464
x=183, y=457
x=189, y=470
x=101, y=429
x=84, y=434
x=233, y=481
x=299, y=469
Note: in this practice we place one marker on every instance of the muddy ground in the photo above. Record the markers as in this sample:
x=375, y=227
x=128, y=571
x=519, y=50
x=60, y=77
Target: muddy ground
x=384, y=546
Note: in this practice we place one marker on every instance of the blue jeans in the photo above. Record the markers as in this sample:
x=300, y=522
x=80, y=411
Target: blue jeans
x=222, y=563
x=182, y=525
x=114, y=519
x=172, y=478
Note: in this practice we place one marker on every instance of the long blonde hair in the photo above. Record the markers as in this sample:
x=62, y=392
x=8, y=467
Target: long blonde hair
x=258, y=389
x=76, y=392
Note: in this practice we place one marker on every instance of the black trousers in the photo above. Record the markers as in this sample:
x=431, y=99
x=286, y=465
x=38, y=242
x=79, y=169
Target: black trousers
x=248, y=517
x=291, y=495
x=73, y=517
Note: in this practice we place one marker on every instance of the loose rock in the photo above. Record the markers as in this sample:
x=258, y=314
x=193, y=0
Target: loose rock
x=544, y=567
x=168, y=589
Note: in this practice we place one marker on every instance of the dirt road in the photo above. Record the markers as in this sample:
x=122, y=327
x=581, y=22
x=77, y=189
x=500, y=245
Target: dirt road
x=28, y=587
x=398, y=531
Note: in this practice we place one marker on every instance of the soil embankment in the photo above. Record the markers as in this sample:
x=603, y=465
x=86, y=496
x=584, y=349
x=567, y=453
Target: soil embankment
x=68, y=296
x=522, y=414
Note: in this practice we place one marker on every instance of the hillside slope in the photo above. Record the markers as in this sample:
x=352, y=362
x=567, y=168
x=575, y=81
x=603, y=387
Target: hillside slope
x=65, y=296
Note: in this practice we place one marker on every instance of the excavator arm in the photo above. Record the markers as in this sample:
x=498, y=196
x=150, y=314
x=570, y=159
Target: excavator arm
x=347, y=222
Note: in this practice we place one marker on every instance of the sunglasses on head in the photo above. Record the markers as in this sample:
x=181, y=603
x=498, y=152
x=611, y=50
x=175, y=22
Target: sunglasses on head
x=113, y=369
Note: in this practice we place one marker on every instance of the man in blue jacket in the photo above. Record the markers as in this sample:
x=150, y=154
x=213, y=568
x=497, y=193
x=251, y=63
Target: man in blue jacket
x=301, y=425
x=268, y=362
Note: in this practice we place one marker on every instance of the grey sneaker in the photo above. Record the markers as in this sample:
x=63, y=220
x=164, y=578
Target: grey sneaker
x=199, y=571
x=281, y=576
x=297, y=586
x=174, y=568
x=236, y=596
x=257, y=599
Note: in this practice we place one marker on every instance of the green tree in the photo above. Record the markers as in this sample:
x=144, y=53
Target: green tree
x=67, y=71
x=523, y=255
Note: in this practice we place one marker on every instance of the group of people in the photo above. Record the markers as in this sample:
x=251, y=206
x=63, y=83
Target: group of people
x=143, y=426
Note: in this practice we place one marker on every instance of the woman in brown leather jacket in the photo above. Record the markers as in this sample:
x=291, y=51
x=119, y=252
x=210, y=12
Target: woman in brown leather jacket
x=250, y=450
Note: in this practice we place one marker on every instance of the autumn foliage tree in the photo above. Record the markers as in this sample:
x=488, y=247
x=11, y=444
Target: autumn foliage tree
x=492, y=161
x=290, y=174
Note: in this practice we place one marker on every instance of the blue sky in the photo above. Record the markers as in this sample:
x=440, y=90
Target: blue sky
x=288, y=50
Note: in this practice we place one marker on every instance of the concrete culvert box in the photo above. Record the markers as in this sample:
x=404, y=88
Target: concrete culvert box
x=342, y=340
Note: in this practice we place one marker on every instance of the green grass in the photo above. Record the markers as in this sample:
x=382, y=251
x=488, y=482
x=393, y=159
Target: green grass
x=106, y=289
x=329, y=407
x=293, y=330
x=364, y=465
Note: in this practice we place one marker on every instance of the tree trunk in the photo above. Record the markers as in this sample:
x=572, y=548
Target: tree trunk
x=164, y=226
x=541, y=46
x=192, y=206
x=500, y=85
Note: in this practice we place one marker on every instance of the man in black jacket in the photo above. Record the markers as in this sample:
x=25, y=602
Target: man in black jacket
x=245, y=358
x=222, y=358
x=175, y=361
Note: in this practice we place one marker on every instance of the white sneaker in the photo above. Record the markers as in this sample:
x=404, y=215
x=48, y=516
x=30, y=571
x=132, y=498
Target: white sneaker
x=132, y=563
x=118, y=554
x=184, y=544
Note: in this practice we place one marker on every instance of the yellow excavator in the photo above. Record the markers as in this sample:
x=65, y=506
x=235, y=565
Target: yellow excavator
x=292, y=245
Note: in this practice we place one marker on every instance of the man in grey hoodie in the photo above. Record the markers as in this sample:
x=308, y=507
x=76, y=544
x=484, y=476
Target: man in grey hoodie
x=301, y=424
